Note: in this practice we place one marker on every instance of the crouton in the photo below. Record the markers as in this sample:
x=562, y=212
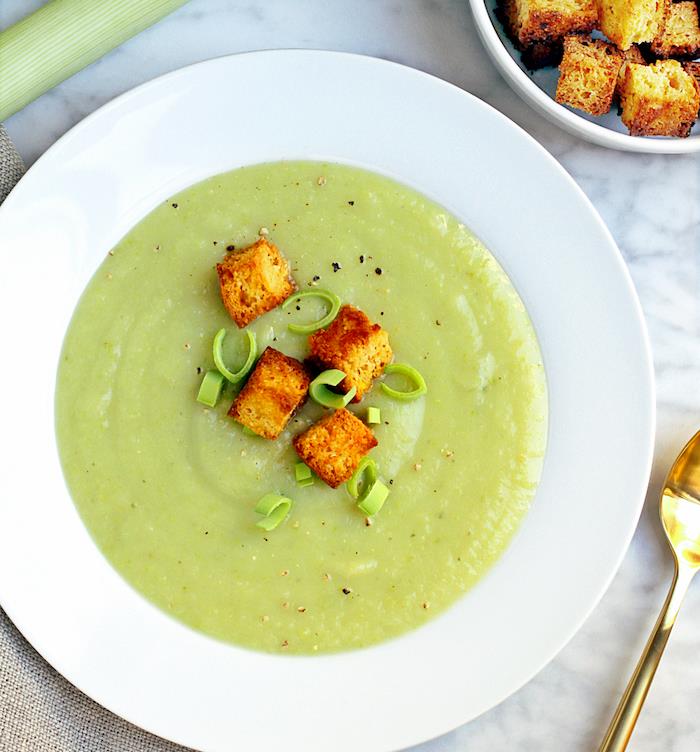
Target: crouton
x=632, y=55
x=253, y=281
x=542, y=55
x=693, y=69
x=334, y=446
x=275, y=389
x=625, y=22
x=680, y=35
x=529, y=21
x=659, y=100
x=588, y=74
x=354, y=345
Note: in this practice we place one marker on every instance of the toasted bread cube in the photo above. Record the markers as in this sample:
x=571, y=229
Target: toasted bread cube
x=275, y=389
x=680, y=36
x=528, y=21
x=632, y=55
x=334, y=446
x=659, y=100
x=542, y=55
x=354, y=345
x=588, y=74
x=626, y=22
x=253, y=281
x=693, y=69
x=534, y=55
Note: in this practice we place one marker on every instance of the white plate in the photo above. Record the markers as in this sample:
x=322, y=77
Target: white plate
x=538, y=90
x=109, y=171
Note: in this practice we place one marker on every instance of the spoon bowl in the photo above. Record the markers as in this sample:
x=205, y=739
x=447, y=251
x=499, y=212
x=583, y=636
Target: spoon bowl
x=680, y=505
x=681, y=520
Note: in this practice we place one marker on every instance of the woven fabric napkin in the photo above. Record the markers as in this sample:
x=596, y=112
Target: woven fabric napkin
x=39, y=710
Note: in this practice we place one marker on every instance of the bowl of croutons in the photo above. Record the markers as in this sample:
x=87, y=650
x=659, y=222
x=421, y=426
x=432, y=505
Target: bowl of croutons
x=621, y=73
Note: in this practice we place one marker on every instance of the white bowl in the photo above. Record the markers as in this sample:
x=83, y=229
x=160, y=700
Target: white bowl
x=122, y=161
x=538, y=89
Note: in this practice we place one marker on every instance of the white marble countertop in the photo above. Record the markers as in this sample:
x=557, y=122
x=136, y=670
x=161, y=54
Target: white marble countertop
x=652, y=206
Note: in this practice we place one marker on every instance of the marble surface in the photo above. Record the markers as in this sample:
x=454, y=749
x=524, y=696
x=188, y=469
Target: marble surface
x=652, y=206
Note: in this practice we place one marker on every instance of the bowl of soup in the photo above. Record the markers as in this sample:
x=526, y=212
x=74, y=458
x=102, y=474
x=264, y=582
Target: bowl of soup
x=131, y=548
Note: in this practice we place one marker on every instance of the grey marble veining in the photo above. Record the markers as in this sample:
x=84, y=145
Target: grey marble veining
x=652, y=207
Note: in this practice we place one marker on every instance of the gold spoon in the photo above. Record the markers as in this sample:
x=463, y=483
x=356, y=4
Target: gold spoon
x=680, y=515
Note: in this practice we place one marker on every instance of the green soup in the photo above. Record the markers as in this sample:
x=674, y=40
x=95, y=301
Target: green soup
x=167, y=487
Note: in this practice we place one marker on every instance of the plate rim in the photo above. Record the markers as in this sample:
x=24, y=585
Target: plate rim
x=593, y=215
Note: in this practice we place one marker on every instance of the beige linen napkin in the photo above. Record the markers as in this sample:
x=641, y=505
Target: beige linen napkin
x=11, y=165
x=39, y=710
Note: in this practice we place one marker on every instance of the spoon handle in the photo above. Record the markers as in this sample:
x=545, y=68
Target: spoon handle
x=625, y=718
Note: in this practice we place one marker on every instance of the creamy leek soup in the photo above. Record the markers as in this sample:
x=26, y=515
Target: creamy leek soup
x=167, y=487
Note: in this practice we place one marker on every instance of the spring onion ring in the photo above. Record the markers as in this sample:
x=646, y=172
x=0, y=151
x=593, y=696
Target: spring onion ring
x=410, y=373
x=305, y=483
x=233, y=376
x=373, y=498
x=366, y=466
x=319, y=391
x=322, y=323
x=274, y=509
x=374, y=415
x=301, y=472
x=210, y=389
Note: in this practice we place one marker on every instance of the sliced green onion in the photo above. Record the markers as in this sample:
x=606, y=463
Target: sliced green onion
x=319, y=391
x=367, y=465
x=374, y=415
x=233, y=376
x=305, y=483
x=412, y=375
x=301, y=471
x=322, y=323
x=373, y=498
x=274, y=509
x=210, y=389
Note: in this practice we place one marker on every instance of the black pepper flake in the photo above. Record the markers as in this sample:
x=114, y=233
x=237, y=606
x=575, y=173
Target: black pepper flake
x=437, y=322
x=336, y=266
x=362, y=259
x=315, y=278
x=347, y=590
x=215, y=243
x=352, y=203
x=298, y=308
x=378, y=270
x=206, y=532
x=199, y=369
x=391, y=482
x=230, y=247
x=174, y=206
x=381, y=313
